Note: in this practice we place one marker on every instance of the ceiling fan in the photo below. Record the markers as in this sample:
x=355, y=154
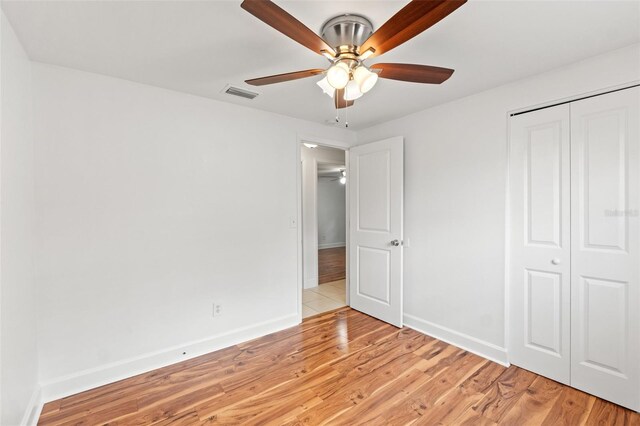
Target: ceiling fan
x=342, y=177
x=348, y=40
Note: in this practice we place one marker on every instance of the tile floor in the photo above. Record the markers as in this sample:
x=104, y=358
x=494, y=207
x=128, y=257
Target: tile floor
x=323, y=298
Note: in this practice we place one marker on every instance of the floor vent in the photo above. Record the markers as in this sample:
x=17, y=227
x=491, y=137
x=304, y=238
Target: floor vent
x=236, y=91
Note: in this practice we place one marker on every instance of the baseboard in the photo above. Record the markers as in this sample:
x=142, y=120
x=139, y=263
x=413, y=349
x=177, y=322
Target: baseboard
x=331, y=245
x=32, y=413
x=102, y=375
x=479, y=347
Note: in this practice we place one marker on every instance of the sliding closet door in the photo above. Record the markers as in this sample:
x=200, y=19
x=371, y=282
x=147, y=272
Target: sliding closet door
x=605, y=198
x=539, y=294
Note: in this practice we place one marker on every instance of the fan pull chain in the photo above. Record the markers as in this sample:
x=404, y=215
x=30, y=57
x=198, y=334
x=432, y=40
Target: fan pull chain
x=346, y=114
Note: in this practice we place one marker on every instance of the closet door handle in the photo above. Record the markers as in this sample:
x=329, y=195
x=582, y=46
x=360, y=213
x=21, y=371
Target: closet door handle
x=555, y=261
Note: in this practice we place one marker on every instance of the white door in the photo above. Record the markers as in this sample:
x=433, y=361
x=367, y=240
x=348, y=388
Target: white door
x=539, y=293
x=605, y=197
x=375, y=229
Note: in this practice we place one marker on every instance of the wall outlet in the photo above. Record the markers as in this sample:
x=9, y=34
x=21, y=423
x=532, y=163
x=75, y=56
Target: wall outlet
x=217, y=310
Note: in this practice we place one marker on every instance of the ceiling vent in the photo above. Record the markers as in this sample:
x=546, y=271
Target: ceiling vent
x=236, y=91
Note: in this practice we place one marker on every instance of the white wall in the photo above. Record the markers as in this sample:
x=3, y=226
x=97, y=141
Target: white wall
x=18, y=344
x=455, y=179
x=309, y=169
x=152, y=206
x=331, y=213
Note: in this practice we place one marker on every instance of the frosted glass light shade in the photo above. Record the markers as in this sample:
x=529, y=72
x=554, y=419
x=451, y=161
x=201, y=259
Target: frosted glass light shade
x=352, y=91
x=338, y=75
x=326, y=87
x=365, y=78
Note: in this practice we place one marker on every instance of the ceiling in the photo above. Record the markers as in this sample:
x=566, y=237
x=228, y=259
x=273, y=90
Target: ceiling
x=198, y=47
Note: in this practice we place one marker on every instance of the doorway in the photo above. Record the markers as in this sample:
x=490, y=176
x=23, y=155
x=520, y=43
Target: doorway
x=324, y=225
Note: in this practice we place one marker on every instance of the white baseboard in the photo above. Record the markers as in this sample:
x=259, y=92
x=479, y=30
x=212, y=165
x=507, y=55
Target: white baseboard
x=105, y=374
x=479, y=347
x=32, y=413
x=331, y=245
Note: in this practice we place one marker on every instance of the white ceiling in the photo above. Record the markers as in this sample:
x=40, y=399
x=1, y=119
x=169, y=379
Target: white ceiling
x=199, y=46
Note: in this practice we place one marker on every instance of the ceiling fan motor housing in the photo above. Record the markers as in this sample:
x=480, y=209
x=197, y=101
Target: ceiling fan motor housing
x=345, y=33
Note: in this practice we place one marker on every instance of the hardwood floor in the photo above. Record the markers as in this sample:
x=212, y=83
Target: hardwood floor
x=341, y=367
x=331, y=264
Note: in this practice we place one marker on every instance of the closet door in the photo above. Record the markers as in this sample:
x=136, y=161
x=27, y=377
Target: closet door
x=605, y=199
x=539, y=293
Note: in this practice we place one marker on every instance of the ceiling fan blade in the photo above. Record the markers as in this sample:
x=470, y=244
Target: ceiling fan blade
x=279, y=78
x=276, y=17
x=413, y=73
x=410, y=21
x=339, y=100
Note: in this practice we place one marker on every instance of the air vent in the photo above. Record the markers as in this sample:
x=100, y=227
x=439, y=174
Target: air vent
x=236, y=91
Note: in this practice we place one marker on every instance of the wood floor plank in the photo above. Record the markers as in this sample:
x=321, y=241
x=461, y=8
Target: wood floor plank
x=571, y=408
x=605, y=413
x=296, y=365
x=357, y=385
x=484, y=377
x=342, y=367
x=504, y=393
x=536, y=403
x=470, y=417
x=331, y=264
x=455, y=402
x=274, y=397
x=421, y=401
x=170, y=407
x=454, y=408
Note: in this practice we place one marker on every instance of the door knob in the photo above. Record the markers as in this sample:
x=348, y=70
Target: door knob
x=395, y=243
x=555, y=261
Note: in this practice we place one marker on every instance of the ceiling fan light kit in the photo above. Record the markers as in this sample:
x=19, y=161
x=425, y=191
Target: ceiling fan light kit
x=326, y=87
x=352, y=91
x=365, y=78
x=338, y=75
x=348, y=40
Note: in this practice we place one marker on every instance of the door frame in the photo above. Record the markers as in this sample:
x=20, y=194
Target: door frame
x=329, y=143
x=508, y=218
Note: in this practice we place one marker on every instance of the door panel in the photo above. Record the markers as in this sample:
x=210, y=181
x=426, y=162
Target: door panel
x=606, y=254
x=543, y=303
x=543, y=157
x=603, y=178
x=374, y=281
x=373, y=188
x=539, y=294
x=376, y=191
x=603, y=309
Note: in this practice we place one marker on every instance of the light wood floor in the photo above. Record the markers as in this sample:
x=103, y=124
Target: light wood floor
x=343, y=368
x=331, y=264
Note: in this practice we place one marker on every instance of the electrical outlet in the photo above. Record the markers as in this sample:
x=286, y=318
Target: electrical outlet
x=217, y=310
